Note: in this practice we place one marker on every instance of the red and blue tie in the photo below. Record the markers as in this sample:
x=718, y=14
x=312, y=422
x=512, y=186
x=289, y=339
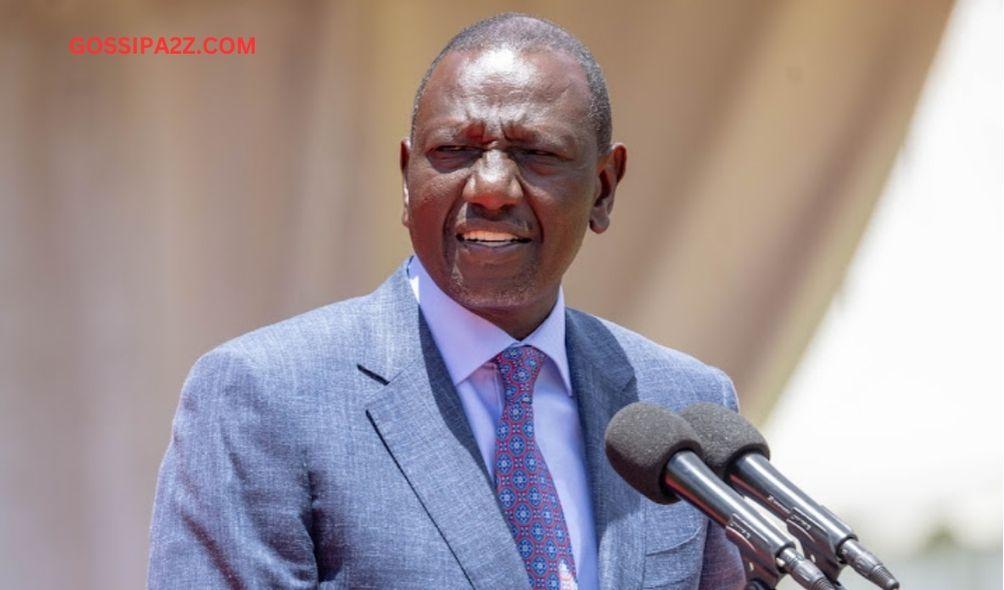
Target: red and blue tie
x=523, y=483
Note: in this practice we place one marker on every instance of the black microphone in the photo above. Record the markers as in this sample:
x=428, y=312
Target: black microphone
x=657, y=452
x=737, y=452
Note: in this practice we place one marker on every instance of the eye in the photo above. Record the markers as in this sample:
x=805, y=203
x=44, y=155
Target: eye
x=455, y=149
x=540, y=160
x=453, y=156
x=542, y=155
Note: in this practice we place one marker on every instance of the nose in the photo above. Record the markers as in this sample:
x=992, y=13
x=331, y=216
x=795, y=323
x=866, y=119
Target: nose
x=493, y=183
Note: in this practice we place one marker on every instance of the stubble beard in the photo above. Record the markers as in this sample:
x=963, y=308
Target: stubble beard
x=520, y=293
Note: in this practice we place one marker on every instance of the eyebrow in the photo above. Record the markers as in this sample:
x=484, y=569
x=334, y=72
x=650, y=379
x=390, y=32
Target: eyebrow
x=460, y=129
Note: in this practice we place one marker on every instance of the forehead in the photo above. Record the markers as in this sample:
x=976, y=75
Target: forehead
x=506, y=86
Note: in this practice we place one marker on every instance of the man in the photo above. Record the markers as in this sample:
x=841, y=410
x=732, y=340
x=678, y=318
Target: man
x=446, y=431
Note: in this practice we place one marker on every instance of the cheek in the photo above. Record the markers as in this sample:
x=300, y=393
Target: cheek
x=566, y=219
x=431, y=201
x=435, y=190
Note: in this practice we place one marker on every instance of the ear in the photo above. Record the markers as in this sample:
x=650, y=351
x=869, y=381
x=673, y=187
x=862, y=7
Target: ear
x=405, y=157
x=611, y=168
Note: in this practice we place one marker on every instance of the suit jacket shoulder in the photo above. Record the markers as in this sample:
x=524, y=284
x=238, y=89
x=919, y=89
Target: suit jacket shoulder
x=326, y=339
x=665, y=375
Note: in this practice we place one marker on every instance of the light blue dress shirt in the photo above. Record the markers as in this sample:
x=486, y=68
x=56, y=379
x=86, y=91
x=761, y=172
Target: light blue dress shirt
x=467, y=343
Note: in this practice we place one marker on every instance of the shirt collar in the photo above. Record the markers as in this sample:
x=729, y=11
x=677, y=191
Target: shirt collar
x=467, y=341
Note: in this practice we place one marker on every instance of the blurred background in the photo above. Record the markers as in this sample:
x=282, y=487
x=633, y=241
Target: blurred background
x=813, y=203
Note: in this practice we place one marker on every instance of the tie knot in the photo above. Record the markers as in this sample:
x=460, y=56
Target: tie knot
x=518, y=367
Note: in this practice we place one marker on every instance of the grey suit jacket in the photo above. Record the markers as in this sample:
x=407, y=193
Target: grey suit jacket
x=330, y=450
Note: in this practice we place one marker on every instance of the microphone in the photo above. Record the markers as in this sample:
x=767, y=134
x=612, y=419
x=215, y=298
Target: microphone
x=658, y=453
x=736, y=451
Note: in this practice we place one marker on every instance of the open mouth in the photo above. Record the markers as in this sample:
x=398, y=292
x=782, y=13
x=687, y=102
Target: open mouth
x=490, y=238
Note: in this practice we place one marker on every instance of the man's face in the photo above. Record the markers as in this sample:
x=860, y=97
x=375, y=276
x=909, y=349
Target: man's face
x=501, y=179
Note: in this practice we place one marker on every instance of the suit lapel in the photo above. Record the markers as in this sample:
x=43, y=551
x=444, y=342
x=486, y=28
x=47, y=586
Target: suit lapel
x=422, y=423
x=604, y=382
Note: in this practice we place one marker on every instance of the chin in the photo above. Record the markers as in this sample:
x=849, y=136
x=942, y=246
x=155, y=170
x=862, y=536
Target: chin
x=484, y=297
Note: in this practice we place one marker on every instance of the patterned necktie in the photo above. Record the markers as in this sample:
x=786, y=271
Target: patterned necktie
x=522, y=481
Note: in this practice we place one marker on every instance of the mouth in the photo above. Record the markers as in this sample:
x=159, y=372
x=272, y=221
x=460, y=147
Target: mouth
x=491, y=239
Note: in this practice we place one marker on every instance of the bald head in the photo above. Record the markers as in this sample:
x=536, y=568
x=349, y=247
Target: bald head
x=524, y=33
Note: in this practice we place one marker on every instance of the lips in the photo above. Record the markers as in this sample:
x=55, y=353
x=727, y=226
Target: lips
x=490, y=238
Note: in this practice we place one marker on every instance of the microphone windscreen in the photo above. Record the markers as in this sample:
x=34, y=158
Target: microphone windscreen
x=724, y=435
x=640, y=440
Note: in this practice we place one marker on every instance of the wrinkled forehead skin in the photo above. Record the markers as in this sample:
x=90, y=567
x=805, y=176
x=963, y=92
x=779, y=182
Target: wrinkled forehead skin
x=533, y=90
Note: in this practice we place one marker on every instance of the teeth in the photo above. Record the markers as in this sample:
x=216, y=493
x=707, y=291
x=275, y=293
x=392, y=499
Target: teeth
x=488, y=236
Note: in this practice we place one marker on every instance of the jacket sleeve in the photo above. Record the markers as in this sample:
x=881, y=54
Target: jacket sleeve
x=232, y=507
x=722, y=568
